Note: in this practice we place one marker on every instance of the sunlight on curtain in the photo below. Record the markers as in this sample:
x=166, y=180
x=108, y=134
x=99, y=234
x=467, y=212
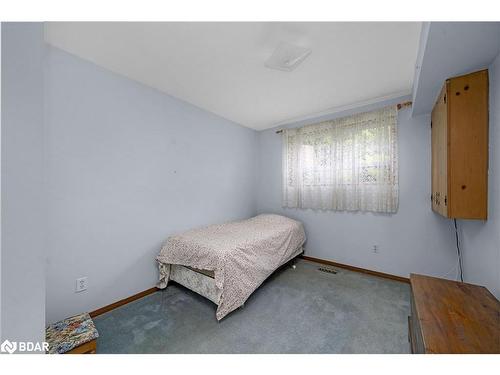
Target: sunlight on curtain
x=350, y=163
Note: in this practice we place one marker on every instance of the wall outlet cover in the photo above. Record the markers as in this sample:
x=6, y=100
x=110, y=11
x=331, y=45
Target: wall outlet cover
x=81, y=284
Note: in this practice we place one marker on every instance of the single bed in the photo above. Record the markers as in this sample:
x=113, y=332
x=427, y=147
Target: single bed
x=227, y=262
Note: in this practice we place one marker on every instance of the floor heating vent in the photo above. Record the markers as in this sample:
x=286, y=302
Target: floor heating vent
x=327, y=270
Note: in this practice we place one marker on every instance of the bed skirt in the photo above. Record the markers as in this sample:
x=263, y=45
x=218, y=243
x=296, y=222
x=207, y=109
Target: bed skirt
x=202, y=281
x=199, y=281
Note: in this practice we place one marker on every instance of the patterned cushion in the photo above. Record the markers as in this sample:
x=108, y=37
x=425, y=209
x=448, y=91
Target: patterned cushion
x=70, y=333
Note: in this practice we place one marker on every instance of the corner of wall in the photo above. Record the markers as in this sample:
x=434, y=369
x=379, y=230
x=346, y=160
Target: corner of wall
x=481, y=239
x=23, y=251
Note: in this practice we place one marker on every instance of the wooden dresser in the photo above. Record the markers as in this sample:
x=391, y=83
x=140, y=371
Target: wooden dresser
x=452, y=317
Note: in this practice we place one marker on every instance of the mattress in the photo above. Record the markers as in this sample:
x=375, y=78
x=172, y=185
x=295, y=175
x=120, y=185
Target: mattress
x=240, y=255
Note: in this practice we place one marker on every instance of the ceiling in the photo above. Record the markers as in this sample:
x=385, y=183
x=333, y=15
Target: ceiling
x=220, y=66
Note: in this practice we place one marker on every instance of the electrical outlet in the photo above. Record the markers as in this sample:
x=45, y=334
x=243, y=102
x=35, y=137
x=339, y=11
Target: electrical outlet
x=81, y=284
x=375, y=249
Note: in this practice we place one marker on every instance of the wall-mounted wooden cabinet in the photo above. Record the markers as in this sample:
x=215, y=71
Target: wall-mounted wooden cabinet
x=460, y=148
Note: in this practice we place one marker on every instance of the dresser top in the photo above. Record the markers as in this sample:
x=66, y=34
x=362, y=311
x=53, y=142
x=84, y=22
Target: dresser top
x=456, y=317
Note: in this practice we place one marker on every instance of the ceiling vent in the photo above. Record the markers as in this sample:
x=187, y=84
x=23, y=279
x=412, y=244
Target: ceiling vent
x=287, y=57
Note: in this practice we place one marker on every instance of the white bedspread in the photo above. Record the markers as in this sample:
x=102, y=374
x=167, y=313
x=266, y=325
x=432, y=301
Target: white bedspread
x=242, y=254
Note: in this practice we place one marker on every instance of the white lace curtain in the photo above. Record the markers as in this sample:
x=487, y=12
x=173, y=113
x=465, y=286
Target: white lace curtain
x=350, y=163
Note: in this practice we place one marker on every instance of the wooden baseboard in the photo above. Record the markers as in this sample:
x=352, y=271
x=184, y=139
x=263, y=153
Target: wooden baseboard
x=357, y=269
x=146, y=292
x=122, y=302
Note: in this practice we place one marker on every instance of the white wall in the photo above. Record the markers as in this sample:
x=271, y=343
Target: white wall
x=413, y=240
x=481, y=239
x=22, y=192
x=0, y=185
x=127, y=166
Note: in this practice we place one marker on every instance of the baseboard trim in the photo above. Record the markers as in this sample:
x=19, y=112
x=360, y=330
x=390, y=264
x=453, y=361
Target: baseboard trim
x=122, y=302
x=357, y=269
x=149, y=291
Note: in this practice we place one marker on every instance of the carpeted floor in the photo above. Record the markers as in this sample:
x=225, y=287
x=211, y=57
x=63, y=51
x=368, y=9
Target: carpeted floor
x=298, y=310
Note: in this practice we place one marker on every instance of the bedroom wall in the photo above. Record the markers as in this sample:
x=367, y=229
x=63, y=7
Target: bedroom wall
x=128, y=166
x=481, y=239
x=22, y=188
x=412, y=240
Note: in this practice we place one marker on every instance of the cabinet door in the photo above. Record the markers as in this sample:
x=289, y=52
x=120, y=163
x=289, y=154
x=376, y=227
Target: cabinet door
x=440, y=154
x=468, y=153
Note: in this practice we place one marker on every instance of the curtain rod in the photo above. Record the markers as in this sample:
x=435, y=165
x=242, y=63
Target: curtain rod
x=400, y=105
x=405, y=104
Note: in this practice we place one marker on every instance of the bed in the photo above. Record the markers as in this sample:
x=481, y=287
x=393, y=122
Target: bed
x=227, y=262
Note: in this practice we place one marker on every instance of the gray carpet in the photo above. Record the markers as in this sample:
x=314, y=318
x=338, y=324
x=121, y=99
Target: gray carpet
x=298, y=310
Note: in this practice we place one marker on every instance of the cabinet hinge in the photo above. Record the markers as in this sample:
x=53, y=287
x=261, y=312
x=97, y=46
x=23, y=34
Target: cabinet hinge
x=445, y=200
x=431, y=124
x=445, y=98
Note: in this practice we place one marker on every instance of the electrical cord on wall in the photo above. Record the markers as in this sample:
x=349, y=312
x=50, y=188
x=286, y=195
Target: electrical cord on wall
x=458, y=251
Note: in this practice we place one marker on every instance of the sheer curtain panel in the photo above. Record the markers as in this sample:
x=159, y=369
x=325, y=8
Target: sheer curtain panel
x=350, y=163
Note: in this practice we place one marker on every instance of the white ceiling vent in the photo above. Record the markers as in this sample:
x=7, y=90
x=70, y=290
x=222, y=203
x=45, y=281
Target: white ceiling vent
x=287, y=57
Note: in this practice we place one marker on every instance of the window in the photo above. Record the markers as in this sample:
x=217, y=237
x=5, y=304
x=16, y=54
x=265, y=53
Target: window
x=348, y=163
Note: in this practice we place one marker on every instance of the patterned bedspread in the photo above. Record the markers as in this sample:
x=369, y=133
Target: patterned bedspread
x=242, y=254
